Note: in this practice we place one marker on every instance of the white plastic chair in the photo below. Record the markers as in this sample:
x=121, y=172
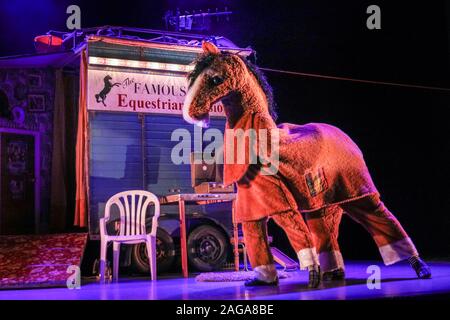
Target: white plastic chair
x=132, y=227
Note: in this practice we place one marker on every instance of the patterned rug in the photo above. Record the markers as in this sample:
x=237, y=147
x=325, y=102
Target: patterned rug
x=232, y=276
x=28, y=261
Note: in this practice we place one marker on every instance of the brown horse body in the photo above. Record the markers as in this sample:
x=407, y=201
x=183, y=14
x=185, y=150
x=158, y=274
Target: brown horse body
x=318, y=163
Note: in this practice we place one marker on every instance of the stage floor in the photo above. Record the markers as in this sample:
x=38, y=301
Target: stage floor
x=397, y=281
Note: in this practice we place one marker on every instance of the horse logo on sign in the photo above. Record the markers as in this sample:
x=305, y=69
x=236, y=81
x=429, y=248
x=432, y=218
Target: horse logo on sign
x=108, y=85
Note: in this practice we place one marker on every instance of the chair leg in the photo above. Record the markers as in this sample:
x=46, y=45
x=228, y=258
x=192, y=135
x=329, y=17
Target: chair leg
x=103, y=246
x=244, y=253
x=116, y=250
x=151, y=252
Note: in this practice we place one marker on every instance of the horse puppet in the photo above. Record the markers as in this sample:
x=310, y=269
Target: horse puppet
x=319, y=171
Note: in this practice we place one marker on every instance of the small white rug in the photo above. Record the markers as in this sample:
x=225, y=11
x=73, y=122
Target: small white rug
x=232, y=276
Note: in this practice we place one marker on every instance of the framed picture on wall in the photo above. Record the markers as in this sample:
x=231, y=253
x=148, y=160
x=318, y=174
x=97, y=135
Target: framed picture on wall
x=36, y=103
x=35, y=80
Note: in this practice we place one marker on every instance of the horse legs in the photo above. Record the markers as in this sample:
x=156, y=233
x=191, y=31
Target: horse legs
x=100, y=98
x=301, y=240
x=392, y=241
x=324, y=227
x=261, y=259
x=258, y=250
x=299, y=236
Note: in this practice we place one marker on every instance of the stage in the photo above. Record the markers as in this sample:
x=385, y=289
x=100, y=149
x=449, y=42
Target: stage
x=397, y=281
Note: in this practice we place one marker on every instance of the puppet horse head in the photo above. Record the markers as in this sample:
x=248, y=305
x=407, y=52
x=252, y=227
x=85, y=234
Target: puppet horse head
x=218, y=76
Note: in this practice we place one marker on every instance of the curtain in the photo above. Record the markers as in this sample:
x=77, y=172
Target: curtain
x=63, y=156
x=82, y=151
x=58, y=198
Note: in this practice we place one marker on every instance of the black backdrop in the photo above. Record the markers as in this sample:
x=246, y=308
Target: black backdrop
x=403, y=132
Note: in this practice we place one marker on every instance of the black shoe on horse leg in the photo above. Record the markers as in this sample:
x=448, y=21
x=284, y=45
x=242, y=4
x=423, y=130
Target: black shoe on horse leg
x=314, y=277
x=257, y=283
x=422, y=270
x=337, y=274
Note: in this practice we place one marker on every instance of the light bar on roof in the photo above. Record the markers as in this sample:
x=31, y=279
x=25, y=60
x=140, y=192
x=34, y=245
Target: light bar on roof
x=113, y=62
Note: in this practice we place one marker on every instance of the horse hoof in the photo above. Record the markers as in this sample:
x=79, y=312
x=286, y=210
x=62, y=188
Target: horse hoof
x=422, y=270
x=338, y=274
x=257, y=283
x=314, y=279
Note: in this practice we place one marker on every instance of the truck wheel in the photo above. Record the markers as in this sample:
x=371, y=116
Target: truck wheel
x=165, y=254
x=207, y=248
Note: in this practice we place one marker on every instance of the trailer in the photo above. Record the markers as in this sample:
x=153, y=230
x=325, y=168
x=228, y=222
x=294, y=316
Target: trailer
x=131, y=140
x=132, y=84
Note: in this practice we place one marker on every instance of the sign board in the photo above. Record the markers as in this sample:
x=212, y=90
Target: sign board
x=139, y=92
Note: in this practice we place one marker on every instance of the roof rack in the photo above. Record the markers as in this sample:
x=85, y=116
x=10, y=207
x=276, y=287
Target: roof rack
x=75, y=39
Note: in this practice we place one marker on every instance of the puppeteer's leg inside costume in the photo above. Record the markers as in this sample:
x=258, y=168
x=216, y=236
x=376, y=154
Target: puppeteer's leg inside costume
x=261, y=259
x=258, y=250
x=324, y=226
x=393, y=242
x=299, y=237
x=301, y=241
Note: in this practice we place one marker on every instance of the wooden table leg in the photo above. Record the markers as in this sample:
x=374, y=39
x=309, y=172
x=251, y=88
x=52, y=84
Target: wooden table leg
x=235, y=237
x=184, y=258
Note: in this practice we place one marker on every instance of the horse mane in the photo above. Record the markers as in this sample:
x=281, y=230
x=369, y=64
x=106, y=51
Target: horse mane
x=205, y=60
x=202, y=62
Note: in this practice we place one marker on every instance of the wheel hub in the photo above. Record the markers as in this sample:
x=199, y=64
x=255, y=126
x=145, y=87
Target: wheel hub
x=161, y=251
x=208, y=248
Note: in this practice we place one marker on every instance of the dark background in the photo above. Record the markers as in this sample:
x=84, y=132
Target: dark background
x=403, y=132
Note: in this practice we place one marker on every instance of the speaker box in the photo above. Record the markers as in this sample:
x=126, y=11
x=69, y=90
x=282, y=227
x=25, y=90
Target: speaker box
x=202, y=172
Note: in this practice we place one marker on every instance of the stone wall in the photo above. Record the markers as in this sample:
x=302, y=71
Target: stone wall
x=32, y=90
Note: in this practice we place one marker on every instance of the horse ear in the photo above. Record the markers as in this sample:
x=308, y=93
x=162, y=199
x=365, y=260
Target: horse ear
x=209, y=47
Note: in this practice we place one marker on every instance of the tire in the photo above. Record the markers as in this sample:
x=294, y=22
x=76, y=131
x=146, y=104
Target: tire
x=207, y=248
x=165, y=254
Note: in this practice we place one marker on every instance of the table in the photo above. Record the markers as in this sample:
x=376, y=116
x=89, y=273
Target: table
x=200, y=198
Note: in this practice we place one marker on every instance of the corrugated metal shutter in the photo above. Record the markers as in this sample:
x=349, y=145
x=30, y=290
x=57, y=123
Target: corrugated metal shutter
x=115, y=159
x=131, y=151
